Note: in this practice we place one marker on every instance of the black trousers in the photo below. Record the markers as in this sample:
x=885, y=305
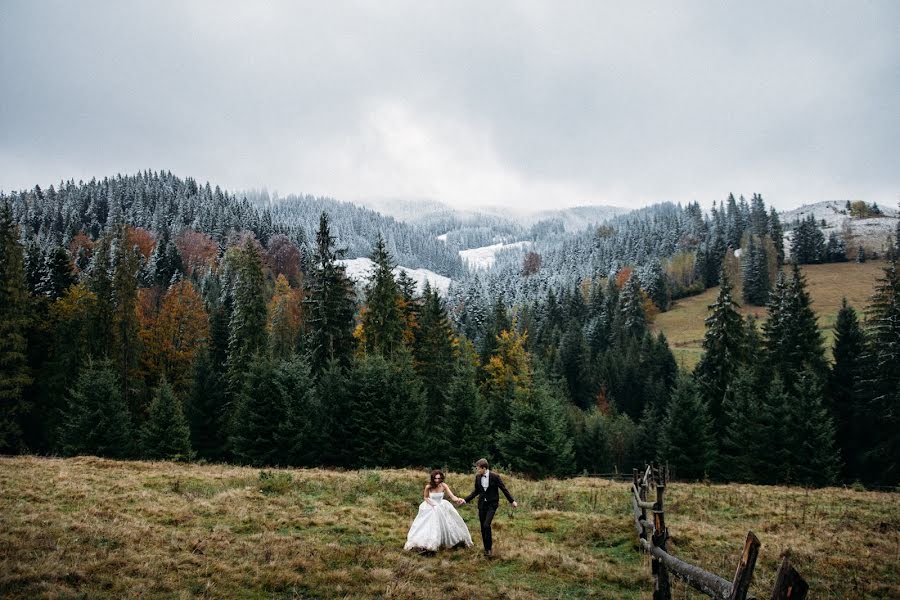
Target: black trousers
x=486, y=516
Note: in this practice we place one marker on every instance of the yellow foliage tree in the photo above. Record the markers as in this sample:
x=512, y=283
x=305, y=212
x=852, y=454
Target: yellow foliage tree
x=285, y=318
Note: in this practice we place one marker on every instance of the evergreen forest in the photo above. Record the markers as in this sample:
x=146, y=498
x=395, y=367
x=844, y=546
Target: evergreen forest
x=152, y=317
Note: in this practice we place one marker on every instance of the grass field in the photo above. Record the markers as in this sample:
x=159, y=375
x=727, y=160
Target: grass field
x=95, y=528
x=683, y=324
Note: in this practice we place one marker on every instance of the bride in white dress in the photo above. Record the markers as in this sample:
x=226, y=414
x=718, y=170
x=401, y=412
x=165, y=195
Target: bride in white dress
x=437, y=525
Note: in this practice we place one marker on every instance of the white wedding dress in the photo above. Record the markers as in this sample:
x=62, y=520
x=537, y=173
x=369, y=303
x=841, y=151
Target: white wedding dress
x=437, y=526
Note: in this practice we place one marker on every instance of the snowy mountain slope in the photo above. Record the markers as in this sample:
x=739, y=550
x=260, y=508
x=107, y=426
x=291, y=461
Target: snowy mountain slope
x=484, y=257
x=870, y=233
x=360, y=270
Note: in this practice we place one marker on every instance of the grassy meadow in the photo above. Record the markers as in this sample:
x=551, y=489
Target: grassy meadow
x=683, y=324
x=96, y=528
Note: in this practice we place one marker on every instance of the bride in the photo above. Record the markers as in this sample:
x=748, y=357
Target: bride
x=437, y=525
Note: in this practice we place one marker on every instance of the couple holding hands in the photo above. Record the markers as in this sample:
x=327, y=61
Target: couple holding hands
x=438, y=525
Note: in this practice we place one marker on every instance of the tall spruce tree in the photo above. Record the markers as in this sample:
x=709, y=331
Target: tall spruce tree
x=97, y=420
x=382, y=319
x=301, y=430
x=724, y=349
x=338, y=429
x=205, y=408
x=811, y=452
x=844, y=397
x=126, y=342
x=247, y=335
x=434, y=351
x=688, y=443
x=537, y=442
x=259, y=413
x=881, y=380
x=631, y=309
x=776, y=233
x=330, y=303
x=462, y=412
x=14, y=317
x=166, y=435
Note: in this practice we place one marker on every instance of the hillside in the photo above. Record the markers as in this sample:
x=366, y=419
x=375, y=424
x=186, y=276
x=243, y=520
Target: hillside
x=106, y=529
x=683, y=324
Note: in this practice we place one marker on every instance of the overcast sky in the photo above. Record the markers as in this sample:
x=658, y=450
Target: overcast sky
x=544, y=104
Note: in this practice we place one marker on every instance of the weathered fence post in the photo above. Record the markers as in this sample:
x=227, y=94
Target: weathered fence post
x=661, y=589
x=789, y=585
x=744, y=573
x=653, y=536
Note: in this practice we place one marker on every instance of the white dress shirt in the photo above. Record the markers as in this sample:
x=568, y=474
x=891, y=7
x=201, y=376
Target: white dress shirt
x=485, y=479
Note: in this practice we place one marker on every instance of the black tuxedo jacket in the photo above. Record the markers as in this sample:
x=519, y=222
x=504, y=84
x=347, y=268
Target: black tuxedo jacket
x=491, y=495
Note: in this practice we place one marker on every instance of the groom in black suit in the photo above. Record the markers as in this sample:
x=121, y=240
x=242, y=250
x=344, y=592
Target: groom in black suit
x=487, y=488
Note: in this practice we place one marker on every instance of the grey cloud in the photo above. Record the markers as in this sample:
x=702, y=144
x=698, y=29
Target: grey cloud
x=465, y=102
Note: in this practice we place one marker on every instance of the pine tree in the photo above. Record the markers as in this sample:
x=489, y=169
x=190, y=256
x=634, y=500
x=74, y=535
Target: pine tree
x=881, y=379
x=247, y=327
x=462, y=412
x=844, y=382
x=57, y=274
x=338, y=428
x=574, y=356
x=166, y=435
x=803, y=345
x=97, y=420
x=126, y=341
x=755, y=273
x=537, y=442
x=260, y=411
x=759, y=220
x=811, y=453
x=508, y=375
x=382, y=320
x=687, y=443
x=205, y=408
x=631, y=309
x=100, y=283
x=776, y=233
x=299, y=434
x=724, y=349
x=434, y=350
x=330, y=303
x=14, y=312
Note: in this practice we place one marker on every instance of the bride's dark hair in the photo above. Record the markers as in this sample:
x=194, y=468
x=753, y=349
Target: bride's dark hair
x=432, y=484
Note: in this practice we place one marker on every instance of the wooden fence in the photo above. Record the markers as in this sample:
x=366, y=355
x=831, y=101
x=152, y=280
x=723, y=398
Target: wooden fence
x=652, y=533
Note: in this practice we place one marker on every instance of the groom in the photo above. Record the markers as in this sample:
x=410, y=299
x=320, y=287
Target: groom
x=487, y=485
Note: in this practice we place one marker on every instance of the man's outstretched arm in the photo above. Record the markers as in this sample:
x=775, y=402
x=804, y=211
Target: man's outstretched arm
x=505, y=491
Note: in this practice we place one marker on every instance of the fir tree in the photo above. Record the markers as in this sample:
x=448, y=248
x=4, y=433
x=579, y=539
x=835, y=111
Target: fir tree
x=260, y=411
x=14, y=312
x=631, y=309
x=724, y=349
x=537, y=442
x=338, y=429
x=434, y=351
x=330, y=303
x=247, y=326
x=126, y=342
x=844, y=379
x=166, y=435
x=574, y=357
x=776, y=233
x=811, y=453
x=382, y=320
x=462, y=412
x=687, y=442
x=300, y=432
x=508, y=375
x=755, y=273
x=205, y=408
x=57, y=274
x=881, y=379
x=97, y=420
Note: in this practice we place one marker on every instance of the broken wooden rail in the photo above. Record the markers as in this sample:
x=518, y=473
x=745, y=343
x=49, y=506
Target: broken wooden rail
x=653, y=534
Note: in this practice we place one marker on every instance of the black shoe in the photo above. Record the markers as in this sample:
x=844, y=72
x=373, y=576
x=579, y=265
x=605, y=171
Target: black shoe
x=488, y=554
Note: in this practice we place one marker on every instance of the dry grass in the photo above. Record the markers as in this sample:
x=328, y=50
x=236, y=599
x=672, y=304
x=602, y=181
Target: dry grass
x=94, y=528
x=683, y=324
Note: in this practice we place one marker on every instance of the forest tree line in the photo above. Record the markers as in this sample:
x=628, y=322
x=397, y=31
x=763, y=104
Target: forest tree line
x=176, y=343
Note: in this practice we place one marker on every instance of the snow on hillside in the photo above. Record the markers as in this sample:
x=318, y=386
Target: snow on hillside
x=484, y=257
x=871, y=232
x=360, y=270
